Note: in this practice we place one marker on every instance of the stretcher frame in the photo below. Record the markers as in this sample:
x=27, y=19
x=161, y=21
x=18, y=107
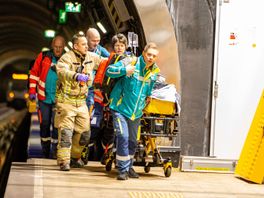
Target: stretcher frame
x=148, y=153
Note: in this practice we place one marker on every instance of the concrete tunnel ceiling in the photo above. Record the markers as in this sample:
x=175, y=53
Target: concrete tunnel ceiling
x=23, y=22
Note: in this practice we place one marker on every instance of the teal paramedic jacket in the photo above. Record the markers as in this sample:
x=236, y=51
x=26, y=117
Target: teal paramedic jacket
x=129, y=94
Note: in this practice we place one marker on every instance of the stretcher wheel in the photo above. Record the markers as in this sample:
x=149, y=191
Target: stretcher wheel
x=108, y=166
x=167, y=171
x=147, y=169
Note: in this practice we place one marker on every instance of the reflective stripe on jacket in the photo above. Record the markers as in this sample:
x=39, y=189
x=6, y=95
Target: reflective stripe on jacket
x=38, y=74
x=68, y=88
x=129, y=94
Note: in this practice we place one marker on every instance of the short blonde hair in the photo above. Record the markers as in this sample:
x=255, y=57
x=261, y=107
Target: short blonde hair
x=151, y=45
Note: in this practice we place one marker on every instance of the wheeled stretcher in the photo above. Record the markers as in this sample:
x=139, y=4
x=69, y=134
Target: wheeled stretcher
x=160, y=120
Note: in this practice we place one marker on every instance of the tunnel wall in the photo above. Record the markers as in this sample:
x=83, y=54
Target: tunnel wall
x=193, y=22
x=160, y=30
x=184, y=31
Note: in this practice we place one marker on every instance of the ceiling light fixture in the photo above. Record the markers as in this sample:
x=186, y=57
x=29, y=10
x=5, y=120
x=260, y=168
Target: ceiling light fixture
x=101, y=27
x=49, y=33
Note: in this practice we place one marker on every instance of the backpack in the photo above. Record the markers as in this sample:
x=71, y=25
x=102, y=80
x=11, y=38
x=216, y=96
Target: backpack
x=100, y=73
x=104, y=84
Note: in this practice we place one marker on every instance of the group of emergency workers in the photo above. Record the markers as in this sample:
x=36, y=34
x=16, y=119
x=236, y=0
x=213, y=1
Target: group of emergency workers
x=63, y=84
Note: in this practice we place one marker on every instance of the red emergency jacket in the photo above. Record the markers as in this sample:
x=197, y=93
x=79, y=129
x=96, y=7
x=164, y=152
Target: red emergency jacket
x=38, y=75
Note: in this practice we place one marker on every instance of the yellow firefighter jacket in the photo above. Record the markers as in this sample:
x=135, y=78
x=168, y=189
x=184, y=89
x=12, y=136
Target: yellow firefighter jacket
x=69, y=65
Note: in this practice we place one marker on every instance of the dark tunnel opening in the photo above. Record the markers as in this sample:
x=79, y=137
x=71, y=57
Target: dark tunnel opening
x=23, y=24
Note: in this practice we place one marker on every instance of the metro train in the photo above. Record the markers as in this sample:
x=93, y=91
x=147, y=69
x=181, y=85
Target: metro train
x=17, y=93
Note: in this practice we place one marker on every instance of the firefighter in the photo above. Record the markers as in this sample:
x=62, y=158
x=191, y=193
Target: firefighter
x=74, y=71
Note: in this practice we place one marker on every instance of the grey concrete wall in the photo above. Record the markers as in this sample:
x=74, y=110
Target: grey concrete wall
x=194, y=27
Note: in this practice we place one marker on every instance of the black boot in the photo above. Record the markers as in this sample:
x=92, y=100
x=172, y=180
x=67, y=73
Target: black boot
x=76, y=163
x=132, y=173
x=54, y=150
x=45, y=148
x=122, y=176
x=64, y=167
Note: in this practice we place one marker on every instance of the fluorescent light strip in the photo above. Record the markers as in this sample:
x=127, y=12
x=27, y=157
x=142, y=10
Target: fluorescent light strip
x=101, y=27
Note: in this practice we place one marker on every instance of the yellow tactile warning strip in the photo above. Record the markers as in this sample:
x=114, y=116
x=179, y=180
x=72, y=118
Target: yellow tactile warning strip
x=155, y=195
